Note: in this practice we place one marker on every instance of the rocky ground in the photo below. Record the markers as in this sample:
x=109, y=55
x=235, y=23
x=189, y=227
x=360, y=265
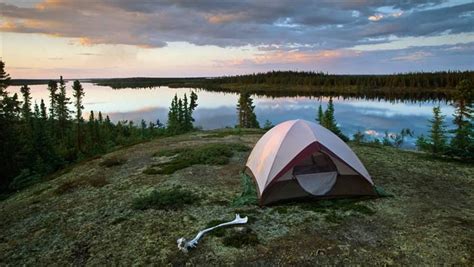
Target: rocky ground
x=86, y=214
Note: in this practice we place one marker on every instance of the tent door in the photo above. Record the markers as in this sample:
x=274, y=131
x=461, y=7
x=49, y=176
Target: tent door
x=317, y=184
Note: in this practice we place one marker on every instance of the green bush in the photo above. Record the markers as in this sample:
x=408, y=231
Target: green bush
x=24, y=179
x=210, y=154
x=167, y=199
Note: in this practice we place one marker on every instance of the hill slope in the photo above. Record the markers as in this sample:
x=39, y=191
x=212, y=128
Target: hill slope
x=88, y=215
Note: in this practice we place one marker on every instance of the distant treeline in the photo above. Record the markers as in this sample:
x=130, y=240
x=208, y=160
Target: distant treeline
x=28, y=81
x=405, y=86
x=143, y=82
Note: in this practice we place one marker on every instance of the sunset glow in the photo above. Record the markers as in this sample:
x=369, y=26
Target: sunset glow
x=81, y=39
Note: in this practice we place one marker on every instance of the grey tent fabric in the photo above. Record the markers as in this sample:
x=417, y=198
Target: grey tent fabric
x=317, y=184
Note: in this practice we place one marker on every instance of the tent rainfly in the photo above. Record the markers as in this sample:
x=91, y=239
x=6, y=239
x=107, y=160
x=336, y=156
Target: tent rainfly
x=298, y=159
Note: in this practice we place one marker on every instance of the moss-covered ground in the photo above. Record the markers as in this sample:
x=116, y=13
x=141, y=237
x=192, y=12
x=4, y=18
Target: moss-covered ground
x=107, y=211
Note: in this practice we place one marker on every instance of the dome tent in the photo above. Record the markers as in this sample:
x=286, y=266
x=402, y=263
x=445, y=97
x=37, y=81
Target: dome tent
x=298, y=158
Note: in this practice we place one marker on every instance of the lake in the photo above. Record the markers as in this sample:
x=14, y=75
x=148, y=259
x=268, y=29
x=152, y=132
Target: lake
x=218, y=110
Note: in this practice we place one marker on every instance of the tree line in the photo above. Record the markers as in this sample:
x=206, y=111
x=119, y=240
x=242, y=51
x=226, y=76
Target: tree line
x=442, y=79
x=405, y=86
x=37, y=139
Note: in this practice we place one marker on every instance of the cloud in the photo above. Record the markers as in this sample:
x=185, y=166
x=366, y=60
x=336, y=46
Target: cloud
x=416, y=56
x=323, y=24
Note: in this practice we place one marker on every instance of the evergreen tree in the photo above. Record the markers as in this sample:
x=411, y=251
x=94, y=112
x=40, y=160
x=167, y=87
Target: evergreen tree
x=78, y=93
x=143, y=129
x=245, y=109
x=52, y=88
x=9, y=143
x=181, y=110
x=188, y=124
x=4, y=82
x=437, y=137
x=359, y=137
x=26, y=108
x=100, y=119
x=462, y=144
x=43, y=113
x=320, y=115
x=180, y=118
x=62, y=110
x=173, y=123
x=26, y=153
x=329, y=121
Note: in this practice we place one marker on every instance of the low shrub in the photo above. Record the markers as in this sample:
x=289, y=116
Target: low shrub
x=151, y=171
x=24, y=179
x=112, y=161
x=95, y=181
x=167, y=199
x=209, y=154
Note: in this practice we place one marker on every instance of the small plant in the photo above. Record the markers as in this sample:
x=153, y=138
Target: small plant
x=359, y=137
x=112, y=161
x=396, y=139
x=167, y=199
x=268, y=125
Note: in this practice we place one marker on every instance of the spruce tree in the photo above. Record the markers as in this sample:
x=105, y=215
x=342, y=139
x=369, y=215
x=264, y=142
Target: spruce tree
x=187, y=123
x=26, y=108
x=329, y=121
x=78, y=93
x=437, y=138
x=26, y=153
x=43, y=113
x=173, y=116
x=181, y=111
x=9, y=138
x=62, y=110
x=462, y=144
x=4, y=82
x=320, y=115
x=245, y=109
x=52, y=88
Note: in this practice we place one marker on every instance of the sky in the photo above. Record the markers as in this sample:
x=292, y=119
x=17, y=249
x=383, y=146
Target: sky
x=127, y=38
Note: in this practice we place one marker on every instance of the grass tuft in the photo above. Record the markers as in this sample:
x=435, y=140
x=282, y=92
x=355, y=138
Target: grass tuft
x=167, y=199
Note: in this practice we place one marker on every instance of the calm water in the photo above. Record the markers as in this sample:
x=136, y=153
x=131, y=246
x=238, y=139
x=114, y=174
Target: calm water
x=218, y=110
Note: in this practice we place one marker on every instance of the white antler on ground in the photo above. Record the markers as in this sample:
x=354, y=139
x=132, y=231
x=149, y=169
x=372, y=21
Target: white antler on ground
x=184, y=245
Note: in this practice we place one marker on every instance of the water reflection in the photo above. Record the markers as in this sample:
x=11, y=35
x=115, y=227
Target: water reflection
x=218, y=109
